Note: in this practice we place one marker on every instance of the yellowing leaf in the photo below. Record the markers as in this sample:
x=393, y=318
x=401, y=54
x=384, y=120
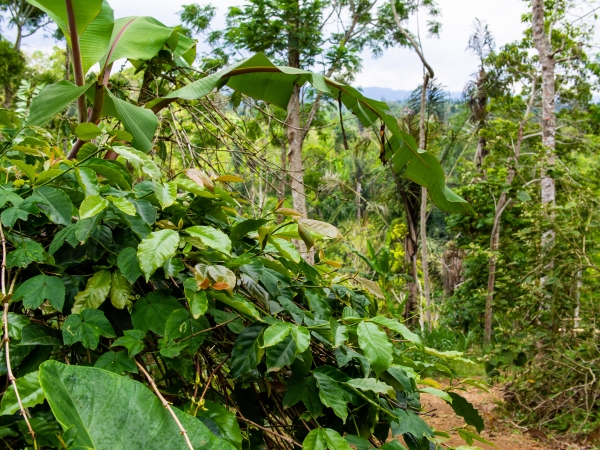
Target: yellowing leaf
x=323, y=229
x=229, y=179
x=201, y=178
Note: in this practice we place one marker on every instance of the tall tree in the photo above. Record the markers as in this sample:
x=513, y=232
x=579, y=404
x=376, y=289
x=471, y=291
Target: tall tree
x=27, y=19
x=295, y=33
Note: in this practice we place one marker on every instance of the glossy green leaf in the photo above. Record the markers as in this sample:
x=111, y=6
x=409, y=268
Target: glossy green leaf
x=224, y=419
x=53, y=99
x=39, y=288
x=120, y=289
x=92, y=205
x=286, y=248
x=409, y=422
x=140, y=122
x=36, y=334
x=111, y=171
x=153, y=311
x=54, y=203
x=93, y=42
x=166, y=193
x=371, y=384
x=123, y=205
x=315, y=440
x=88, y=180
x=437, y=392
x=30, y=392
x=465, y=409
x=84, y=11
x=302, y=337
x=78, y=397
x=116, y=362
x=96, y=291
x=281, y=354
x=211, y=237
x=87, y=328
x=154, y=251
x=276, y=333
x=132, y=340
x=247, y=352
x=198, y=304
x=331, y=395
x=140, y=161
x=238, y=303
x=128, y=264
x=376, y=346
x=399, y=328
x=334, y=440
x=87, y=131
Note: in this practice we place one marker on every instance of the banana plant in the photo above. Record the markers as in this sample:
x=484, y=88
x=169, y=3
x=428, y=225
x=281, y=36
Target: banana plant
x=95, y=37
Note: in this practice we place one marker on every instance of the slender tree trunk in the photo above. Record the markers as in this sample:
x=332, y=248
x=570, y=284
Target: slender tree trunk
x=423, y=212
x=548, y=63
x=358, y=200
x=410, y=200
x=503, y=202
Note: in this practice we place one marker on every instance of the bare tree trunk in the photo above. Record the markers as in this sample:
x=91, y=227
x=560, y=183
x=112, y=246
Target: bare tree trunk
x=503, y=202
x=410, y=200
x=358, y=200
x=548, y=63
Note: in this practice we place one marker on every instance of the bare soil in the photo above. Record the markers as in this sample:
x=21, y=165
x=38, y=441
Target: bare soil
x=505, y=435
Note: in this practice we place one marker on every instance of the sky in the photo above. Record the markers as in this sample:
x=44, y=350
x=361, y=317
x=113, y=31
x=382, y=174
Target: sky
x=398, y=68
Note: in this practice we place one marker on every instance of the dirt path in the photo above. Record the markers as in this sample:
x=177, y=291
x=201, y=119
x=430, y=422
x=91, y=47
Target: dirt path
x=501, y=433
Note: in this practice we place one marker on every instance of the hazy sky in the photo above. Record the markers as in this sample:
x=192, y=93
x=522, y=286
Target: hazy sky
x=398, y=68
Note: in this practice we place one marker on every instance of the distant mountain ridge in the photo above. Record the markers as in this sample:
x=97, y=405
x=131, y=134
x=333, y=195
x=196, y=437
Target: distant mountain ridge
x=394, y=95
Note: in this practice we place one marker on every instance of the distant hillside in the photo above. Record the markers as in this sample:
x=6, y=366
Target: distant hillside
x=393, y=95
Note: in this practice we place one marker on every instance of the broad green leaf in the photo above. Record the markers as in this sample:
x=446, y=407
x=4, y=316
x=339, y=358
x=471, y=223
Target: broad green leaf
x=463, y=408
x=123, y=205
x=25, y=168
x=437, y=392
x=154, y=251
x=128, y=264
x=88, y=180
x=52, y=100
x=241, y=229
x=371, y=384
x=376, y=346
x=281, y=354
x=152, y=312
x=119, y=291
x=399, y=328
x=302, y=337
x=140, y=122
x=96, y=291
x=112, y=412
x=211, y=237
x=87, y=131
x=140, y=161
x=54, y=203
x=137, y=38
x=182, y=327
x=276, y=333
x=36, y=334
x=39, y=288
x=224, y=419
x=331, y=395
x=409, y=422
x=259, y=78
x=116, y=362
x=132, y=340
x=198, y=303
x=84, y=12
x=93, y=42
x=111, y=171
x=30, y=392
x=315, y=440
x=321, y=229
x=10, y=215
x=469, y=436
x=340, y=332
x=25, y=253
x=87, y=328
x=238, y=303
x=247, y=353
x=393, y=445
x=166, y=193
x=92, y=205
x=286, y=248
x=334, y=440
